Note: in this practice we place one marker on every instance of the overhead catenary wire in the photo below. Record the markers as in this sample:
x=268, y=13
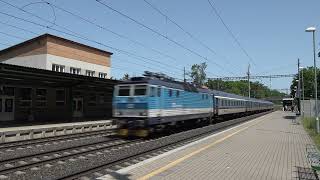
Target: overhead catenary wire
x=76, y=35
x=186, y=32
x=160, y=34
x=112, y=32
x=230, y=32
x=81, y=56
x=84, y=38
x=118, y=34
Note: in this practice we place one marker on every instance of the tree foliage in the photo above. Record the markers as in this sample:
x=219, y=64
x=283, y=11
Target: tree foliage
x=308, y=82
x=125, y=77
x=198, y=74
x=258, y=90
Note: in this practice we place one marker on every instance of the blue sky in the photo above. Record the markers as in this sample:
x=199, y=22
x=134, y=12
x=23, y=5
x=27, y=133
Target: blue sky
x=272, y=32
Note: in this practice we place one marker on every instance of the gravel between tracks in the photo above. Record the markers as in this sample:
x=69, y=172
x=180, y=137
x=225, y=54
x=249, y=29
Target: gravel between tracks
x=65, y=169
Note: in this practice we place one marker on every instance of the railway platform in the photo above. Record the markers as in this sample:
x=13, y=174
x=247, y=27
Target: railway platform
x=272, y=146
x=9, y=134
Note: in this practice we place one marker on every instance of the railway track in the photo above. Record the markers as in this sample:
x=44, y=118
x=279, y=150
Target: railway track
x=94, y=163
x=47, y=159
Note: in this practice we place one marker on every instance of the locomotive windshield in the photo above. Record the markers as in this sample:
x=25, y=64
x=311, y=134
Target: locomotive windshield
x=124, y=91
x=140, y=90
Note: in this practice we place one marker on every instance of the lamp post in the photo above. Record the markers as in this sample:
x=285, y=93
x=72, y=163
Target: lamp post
x=302, y=85
x=313, y=30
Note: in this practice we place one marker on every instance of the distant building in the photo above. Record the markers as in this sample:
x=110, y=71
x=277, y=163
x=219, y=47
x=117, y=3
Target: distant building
x=54, y=53
x=51, y=79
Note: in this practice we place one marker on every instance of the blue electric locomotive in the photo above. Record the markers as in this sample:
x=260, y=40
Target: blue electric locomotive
x=146, y=104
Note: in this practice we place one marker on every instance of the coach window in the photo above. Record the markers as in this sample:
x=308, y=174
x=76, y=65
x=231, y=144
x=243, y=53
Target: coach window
x=124, y=91
x=177, y=93
x=206, y=96
x=140, y=90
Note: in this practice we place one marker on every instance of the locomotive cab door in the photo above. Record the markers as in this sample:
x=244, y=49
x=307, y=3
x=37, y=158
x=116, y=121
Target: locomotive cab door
x=160, y=101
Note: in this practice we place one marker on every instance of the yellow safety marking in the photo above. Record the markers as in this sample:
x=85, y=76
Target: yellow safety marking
x=176, y=162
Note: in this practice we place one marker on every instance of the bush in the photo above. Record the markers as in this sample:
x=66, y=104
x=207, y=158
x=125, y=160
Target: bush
x=310, y=125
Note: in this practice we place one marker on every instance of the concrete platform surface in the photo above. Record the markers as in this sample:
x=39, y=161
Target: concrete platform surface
x=268, y=147
x=6, y=129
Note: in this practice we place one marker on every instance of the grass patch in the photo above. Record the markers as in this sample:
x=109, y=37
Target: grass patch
x=309, y=125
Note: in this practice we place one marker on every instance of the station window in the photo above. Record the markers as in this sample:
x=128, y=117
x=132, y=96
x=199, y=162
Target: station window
x=8, y=91
x=25, y=94
x=58, y=68
x=102, y=75
x=170, y=92
x=41, y=97
x=60, y=97
x=90, y=73
x=74, y=70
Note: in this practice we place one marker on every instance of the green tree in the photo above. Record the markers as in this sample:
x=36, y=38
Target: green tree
x=125, y=77
x=258, y=90
x=198, y=74
x=308, y=82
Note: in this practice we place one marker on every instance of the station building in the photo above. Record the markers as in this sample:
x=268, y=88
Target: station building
x=49, y=78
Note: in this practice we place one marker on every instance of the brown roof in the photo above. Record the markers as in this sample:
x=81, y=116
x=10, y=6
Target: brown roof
x=52, y=36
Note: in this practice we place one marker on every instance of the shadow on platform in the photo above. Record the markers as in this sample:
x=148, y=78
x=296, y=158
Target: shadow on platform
x=290, y=117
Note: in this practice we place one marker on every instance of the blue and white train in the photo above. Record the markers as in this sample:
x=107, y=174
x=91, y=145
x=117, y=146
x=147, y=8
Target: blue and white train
x=146, y=104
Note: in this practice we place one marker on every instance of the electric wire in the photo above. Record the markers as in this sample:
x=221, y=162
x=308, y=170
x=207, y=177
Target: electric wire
x=187, y=32
x=81, y=56
x=83, y=38
x=230, y=32
x=113, y=32
x=160, y=34
x=75, y=34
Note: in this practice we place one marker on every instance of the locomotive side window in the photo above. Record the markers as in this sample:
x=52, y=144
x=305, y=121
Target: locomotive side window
x=170, y=92
x=124, y=91
x=153, y=92
x=140, y=90
x=159, y=91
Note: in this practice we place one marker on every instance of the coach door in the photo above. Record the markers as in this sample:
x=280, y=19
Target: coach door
x=77, y=106
x=6, y=108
